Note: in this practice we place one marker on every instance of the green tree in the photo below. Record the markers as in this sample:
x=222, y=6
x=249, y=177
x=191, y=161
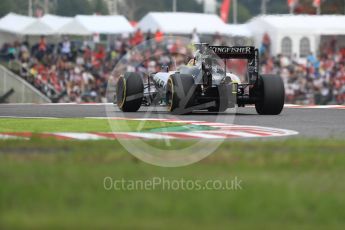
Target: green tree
x=327, y=6
x=136, y=9
x=305, y=6
x=5, y=7
x=185, y=6
x=243, y=14
x=73, y=7
x=273, y=6
x=15, y=6
x=100, y=7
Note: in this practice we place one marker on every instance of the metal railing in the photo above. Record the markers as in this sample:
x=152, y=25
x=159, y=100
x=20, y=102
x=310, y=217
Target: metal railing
x=23, y=91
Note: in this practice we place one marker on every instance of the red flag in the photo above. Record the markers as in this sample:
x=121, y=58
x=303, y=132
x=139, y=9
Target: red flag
x=316, y=3
x=292, y=3
x=224, y=10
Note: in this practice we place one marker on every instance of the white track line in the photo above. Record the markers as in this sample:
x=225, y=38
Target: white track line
x=6, y=137
x=81, y=136
x=198, y=135
x=150, y=135
x=240, y=134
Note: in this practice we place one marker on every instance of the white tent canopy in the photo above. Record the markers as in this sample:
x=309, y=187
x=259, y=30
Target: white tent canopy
x=54, y=25
x=55, y=22
x=74, y=27
x=316, y=24
x=87, y=25
x=240, y=30
x=14, y=23
x=23, y=25
x=37, y=28
x=291, y=32
x=182, y=23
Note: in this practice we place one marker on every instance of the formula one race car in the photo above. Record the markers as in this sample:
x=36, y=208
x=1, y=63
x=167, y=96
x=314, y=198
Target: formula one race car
x=204, y=84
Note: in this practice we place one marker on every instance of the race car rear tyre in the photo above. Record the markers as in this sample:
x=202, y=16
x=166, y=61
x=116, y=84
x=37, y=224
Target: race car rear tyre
x=271, y=94
x=130, y=92
x=180, y=93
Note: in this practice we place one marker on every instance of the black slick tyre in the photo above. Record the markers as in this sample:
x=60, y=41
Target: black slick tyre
x=130, y=92
x=271, y=95
x=180, y=93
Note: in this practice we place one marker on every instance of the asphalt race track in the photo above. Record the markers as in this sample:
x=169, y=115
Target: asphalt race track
x=309, y=122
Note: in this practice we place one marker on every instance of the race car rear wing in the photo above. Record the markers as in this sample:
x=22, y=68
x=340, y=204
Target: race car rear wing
x=235, y=52
x=249, y=53
x=241, y=52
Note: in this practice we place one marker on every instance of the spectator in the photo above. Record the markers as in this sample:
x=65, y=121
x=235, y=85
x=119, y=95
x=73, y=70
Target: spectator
x=148, y=35
x=66, y=47
x=159, y=36
x=195, y=37
x=138, y=37
x=42, y=46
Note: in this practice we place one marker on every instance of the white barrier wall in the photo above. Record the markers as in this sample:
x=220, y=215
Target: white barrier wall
x=23, y=91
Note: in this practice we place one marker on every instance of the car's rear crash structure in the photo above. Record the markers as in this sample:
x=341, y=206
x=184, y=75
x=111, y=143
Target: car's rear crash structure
x=204, y=84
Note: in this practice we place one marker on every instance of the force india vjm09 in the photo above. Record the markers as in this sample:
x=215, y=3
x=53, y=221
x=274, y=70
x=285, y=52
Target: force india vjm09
x=204, y=84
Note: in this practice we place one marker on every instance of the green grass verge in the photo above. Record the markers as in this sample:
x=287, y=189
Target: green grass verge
x=79, y=125
x=287, y=184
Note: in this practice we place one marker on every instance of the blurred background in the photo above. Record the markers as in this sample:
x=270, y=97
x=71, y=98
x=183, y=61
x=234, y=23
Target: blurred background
x=66, y=50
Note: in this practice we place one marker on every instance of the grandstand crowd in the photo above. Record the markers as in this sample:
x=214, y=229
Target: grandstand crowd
x=76, y=71
x=314, y=80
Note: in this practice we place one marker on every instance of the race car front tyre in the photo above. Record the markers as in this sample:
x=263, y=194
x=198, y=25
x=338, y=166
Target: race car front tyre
x=271, y=94
x=130, y=92
x=180, y=93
